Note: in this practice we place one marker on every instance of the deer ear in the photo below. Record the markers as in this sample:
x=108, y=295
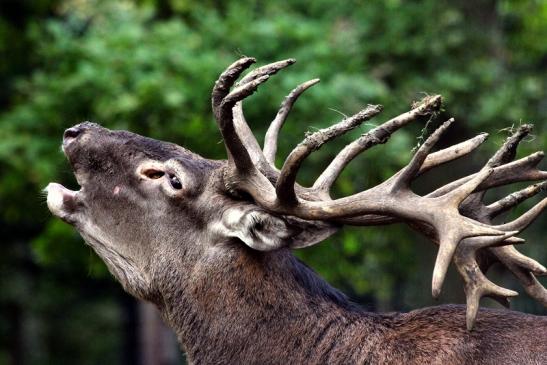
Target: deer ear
x=263, y=231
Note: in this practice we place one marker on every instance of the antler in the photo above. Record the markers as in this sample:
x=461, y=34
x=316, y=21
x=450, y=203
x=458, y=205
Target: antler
x=524, y=268
x=439, y=214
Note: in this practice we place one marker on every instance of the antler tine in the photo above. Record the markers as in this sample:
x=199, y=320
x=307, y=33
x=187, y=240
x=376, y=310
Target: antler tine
x=526, y=219
x=246, y=135
x=233, y=142
x=312, y=142
x=270, y=140
x=452, y=153
x=377, y=135
x=434, y=159
x=508, y=151
x=504, y=155
x=534, y=289
x=411, y=170
x=524, y=268
x=242, y=128
x=512, y=255
x=227, y=78
x=242, y=91
x=516, y=171
x=476, y=284
x=269, y=69
x=515, y=198
x=532, y=286
x=463, y=191
x=448, y=242
x=223, y=101
x=506, y=172
x=516, y=263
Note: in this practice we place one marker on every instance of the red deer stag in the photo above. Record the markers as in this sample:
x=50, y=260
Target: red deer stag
x=209, y=242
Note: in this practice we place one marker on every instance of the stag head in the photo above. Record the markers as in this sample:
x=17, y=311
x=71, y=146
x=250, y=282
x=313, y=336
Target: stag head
x=144, y=202
x=141, y=199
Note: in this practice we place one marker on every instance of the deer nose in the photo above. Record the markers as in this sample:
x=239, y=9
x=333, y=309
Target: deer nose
x=77, y=130
x=72, y=133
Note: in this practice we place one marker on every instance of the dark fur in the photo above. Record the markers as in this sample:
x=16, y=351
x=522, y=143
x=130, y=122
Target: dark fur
x=230, y=304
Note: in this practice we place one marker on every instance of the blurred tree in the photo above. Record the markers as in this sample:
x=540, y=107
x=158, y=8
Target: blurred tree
x=148, y=66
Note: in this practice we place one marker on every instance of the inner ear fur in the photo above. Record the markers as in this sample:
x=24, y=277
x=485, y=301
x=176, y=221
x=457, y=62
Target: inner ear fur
x=264, y=231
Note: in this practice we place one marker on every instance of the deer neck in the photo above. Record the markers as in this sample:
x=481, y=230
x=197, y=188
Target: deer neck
x=247, y=304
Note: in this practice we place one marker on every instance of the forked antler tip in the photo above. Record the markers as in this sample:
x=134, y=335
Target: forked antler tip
x=227, y=78
x=474, y=295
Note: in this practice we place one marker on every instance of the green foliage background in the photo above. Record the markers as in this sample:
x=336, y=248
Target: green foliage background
x=148, y=66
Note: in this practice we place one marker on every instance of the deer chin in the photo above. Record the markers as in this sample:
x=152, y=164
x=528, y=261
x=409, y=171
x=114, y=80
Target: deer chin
x=62, y=202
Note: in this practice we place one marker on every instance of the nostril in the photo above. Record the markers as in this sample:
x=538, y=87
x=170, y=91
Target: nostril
x=72, y=132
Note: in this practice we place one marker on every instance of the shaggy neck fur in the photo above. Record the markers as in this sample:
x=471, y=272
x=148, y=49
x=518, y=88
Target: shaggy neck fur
x=252, y=307
x=239, y=306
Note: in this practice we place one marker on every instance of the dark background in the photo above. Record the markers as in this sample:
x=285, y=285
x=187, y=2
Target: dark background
x=148, y=66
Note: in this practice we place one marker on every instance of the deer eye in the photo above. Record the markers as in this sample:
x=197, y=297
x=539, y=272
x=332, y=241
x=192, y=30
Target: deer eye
x=153, y=174
x=175, y=182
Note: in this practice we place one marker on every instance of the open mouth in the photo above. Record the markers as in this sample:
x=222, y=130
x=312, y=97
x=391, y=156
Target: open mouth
x=62, y=202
